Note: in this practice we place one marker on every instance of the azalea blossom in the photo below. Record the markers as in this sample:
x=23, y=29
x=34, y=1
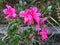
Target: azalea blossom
x=10, y=12
x=31, y=35
x=30, y=15
x=43, y=33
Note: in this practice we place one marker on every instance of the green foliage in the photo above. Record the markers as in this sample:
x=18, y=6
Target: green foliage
x=25, y=34
x=12, y=32
x=2, y=42
x=12, y=29
x=15, y=40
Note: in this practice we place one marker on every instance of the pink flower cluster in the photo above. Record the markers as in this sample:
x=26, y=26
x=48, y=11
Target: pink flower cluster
x=10, y=12
x=43, y=33
x=30, y=15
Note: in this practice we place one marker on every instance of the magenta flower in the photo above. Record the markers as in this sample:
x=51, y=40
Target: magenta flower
x=30, y=15
x=43, y=33
x=10, y=12
x=31, y=35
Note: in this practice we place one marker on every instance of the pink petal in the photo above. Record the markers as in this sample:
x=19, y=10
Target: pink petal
x=8, y=16
x=43, y=33
x=34, y=9
x=10, y=9
x=25, y=19
x=8, y=6
x=47, y=31
x=13, y=10
x=30, y=19
x=44, y=37
x=44, y=28
x=31, y=22
x=37, y=27
x=37, y=19
x=21, y=14
x=28, y=12
x=31, y=35
x=44, y=20
x=38, y=14
x=14, y=15
x=5, y=11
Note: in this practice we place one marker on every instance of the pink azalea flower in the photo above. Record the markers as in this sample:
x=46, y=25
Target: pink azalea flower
x=30, y=15
x=10, y=12
x=43, y=33
x=31, y=35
